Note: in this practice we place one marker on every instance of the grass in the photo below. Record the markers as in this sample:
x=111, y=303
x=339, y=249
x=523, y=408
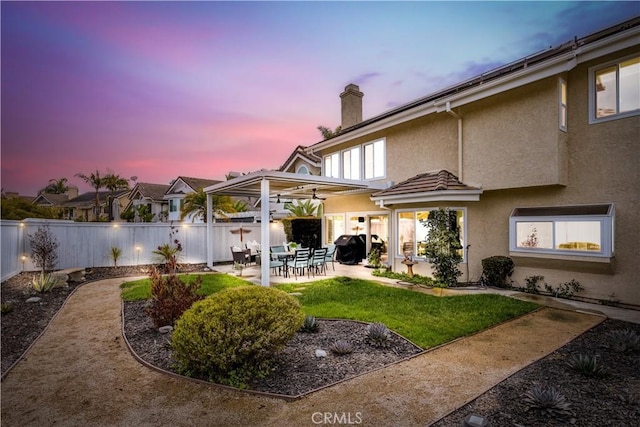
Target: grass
x=211, y=283
x=426, y=320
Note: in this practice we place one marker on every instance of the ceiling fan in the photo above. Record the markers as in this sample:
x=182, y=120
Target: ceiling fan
x=315, y=197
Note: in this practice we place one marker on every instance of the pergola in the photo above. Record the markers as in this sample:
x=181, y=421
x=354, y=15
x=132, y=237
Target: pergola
x=267, y=184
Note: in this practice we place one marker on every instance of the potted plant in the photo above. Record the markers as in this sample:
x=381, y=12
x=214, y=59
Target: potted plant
x=374, y=258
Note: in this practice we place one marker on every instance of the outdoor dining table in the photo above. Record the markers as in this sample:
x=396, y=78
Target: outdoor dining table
x=285, y=257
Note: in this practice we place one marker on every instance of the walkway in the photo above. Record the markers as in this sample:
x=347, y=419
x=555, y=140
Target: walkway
x=80, y=373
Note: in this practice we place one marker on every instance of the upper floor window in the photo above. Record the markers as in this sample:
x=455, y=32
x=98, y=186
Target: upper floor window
x=572, y=230
x=614, y=90
x=367, y=160
x=303, y=169
x=562, y=104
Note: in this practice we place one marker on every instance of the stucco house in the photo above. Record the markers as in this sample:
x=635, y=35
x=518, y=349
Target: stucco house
x=81, y=207
x=538, y=159
x=176, y=192
x=151, y=196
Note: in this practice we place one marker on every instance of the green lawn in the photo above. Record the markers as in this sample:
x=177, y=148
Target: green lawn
x=211, y=283
x=426, y=320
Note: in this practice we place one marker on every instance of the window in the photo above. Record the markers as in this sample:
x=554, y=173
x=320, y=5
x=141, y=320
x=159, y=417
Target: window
x=334, y=228
x=374, y=160
x=351, y=163
x=367, y=160
x=562, y=101
x=173, y=205
x=332, y=166
x=614, y=90
x=303, y=170
x=574, y=230
x=412, y=233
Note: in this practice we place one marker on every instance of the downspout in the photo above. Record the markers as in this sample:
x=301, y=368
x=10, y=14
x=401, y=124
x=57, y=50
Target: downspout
x=459, y=117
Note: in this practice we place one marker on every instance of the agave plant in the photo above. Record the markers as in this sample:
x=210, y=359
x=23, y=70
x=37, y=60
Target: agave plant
x=341, y=348
x=44, y=283
x=587, y=365
x=548, y=400
x=310, y=325
x=622, y=340
x=378, y=334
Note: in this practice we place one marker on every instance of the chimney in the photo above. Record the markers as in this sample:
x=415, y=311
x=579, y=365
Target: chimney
x=351, y=106
x=72, y=192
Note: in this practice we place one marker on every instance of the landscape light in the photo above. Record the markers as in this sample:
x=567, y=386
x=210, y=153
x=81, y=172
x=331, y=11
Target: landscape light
x=475, y=420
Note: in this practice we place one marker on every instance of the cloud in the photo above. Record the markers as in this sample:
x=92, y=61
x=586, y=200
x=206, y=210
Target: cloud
x=364, y=78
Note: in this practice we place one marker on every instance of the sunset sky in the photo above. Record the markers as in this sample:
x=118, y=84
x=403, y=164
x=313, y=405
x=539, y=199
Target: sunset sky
x=162, y=89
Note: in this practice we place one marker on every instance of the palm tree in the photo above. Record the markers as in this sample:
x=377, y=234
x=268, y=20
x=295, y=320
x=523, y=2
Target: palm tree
x=328, y=133
x=301, y=209
x=113, y=183
x=96, y=181
x=56, y=186
x=239, y=206
x=196, y=204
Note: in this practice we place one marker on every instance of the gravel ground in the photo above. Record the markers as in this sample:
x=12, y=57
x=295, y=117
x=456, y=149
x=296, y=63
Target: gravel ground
x=613, y=400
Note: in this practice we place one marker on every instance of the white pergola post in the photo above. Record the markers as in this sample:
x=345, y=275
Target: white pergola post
x=265, y=256
x=209, y=231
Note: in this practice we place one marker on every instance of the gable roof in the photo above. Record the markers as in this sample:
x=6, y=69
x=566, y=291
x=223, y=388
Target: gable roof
x=194, y=183
x=154, y=192
x=300, y=153
x=428, y=187
x=88, y=199
x=529, y=69
x=50, y=199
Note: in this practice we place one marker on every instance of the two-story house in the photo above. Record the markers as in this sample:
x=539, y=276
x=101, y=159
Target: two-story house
x=176, y=192
x=538, y=159
x=150, y=198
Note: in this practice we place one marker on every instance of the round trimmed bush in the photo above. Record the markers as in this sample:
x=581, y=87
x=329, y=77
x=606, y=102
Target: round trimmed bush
x=232, y=336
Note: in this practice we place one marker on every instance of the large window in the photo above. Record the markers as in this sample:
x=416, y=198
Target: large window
x=615, y=90
x=367, y=160
x=334, y=228
x=413, y=233
x=577, y=230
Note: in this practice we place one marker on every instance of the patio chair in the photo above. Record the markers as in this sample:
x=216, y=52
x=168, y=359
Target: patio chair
x=240, y=256
x=300, y=262
x=318, y=261
x=330, y=256
x=276, y=264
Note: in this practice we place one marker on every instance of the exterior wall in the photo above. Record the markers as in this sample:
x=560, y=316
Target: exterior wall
x=512, y=140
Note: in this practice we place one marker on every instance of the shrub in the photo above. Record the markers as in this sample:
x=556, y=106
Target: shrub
x=6, y=308
x=587, y=365
x=378, y=334
x=44, y=283
x=170, y=297
x=232, y=336
x=565, y=290
x=44, y=248
x=547, y=400
x=443, y=245
x=531, y=284
x=496, y=270
x=310, y=325
x=622, y=340
x=114, y=254
x=341, y=348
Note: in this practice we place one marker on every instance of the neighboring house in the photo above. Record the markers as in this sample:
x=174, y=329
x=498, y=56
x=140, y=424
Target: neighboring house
x=538, y=159
x=151, y=196
x=303, y=162
x=179, y=188
x=83, y=207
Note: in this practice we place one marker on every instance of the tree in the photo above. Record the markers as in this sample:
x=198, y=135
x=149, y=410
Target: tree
x=195, y=204
x=328, y=133
x=56, y=186
x=17, y=208
x=44, y=248
x=443, y=245
x=301, y=209
x=113, y=183
x=97, y=182
x=239, y=206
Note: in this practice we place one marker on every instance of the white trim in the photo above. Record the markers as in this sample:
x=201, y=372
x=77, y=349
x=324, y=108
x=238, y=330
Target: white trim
x=429, y=196
x=563, y=111
x=592, y=91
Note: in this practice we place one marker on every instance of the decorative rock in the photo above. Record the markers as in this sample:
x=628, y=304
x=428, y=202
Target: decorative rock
x=34, y=299
x=321, y=353
x=165, y=329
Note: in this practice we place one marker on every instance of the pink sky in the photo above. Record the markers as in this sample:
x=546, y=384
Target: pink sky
x=162, y=89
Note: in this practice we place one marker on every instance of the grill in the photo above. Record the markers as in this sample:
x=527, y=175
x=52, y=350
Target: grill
x=350, y=249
